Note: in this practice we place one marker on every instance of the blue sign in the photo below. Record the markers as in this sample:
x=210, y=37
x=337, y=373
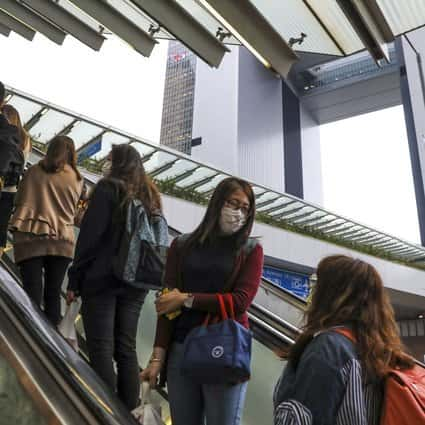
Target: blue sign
x=296, y=283
x=90, y=150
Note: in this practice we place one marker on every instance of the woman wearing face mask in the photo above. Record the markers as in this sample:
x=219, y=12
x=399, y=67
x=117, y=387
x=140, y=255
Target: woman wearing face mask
x=217, y=257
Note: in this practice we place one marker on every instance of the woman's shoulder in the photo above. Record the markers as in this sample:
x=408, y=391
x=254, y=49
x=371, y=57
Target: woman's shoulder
x=332, y=348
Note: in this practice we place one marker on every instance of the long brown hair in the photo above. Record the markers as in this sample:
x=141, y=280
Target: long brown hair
x=12, y=116
x=209, y=227
x=127, y=167
x=350, y=292
x=60, y=152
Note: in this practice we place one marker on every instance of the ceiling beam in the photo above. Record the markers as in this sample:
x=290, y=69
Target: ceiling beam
x=34, y=21
x=4, y=30
x=242, y=19
x=117, y=23
x=370, y=24
x=16, y=26
x=180, y=23
x=67, y=21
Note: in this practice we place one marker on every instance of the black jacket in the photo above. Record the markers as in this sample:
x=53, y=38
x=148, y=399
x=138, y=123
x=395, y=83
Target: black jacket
x=98, y=242
x=11, y=157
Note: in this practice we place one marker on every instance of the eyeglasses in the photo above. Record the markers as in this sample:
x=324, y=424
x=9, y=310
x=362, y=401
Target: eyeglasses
x=236, y=205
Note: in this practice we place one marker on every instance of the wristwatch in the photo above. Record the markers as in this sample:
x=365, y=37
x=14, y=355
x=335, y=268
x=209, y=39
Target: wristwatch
x=188, y=302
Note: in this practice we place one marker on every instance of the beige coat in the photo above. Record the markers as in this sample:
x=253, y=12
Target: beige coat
x=43, y=221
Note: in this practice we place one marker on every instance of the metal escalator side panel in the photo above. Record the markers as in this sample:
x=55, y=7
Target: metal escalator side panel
x=70, y=373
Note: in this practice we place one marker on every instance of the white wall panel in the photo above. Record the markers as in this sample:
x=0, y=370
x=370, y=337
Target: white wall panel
x=311, y=158
x=260, y=123
x=215, y=113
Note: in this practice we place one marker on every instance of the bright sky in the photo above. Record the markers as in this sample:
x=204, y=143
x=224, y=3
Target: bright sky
x=366, y=166
x=367, y=174
x=117, y=85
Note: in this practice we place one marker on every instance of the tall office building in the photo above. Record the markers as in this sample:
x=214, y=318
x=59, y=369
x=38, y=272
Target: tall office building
x=177, y=112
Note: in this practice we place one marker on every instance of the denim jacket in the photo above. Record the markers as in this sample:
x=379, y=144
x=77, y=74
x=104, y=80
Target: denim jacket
x=327, y=387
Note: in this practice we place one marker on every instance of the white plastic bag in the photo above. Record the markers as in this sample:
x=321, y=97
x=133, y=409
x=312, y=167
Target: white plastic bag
x=147, y=413
x=67, y=325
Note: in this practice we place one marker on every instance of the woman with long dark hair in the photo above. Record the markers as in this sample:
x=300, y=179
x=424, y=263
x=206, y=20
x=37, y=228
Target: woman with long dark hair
x=12, y=115
x=329, y=378
x=111, y=309
x=8, y=192
x=218, y=257
x=43, y=224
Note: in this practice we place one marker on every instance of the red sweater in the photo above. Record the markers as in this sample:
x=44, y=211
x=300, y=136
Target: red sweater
x=244, y=290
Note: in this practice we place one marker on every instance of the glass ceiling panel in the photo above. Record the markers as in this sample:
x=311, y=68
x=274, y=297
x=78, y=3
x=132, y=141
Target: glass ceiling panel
x=299, y=213
x=83, y=132
x=212, y=184
x=338, y=25
x=403, y=15
x=293, y=19
x=50, y=124
x=142, y=148
x=197, y=176
x=158, y=159
x=109, y=139
x=293, y=207
x=26, y=108
x=204, y=18
x=179, y=168
x=278, y=202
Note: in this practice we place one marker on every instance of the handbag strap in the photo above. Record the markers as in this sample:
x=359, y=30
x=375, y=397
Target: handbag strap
x=231, y=305
x=223, y=312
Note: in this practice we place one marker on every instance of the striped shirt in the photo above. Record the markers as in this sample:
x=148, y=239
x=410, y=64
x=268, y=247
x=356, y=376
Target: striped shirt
x=327, y=387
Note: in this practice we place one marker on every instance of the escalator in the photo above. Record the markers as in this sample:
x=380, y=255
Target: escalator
x=271, y=331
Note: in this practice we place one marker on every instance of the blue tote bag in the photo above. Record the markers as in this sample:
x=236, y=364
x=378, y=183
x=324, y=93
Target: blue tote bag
x=218, y=352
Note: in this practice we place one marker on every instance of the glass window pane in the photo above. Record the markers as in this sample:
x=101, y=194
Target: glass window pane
x=268, y=196
x=197, y=176
x=287, y=209
x=26, y=108
x=83, y=132
x=182, y=166
x=211, y=184
x=158, y=160
x=142, y=148
x=109, y=139
x=49, y=125
x=274, y=204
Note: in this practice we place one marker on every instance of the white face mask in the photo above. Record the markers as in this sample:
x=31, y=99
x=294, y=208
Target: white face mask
x=106, y=168
x=231, y=221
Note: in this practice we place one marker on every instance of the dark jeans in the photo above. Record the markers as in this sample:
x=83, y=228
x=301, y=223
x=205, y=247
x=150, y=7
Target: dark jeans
x=6, y=207
x=54, y=268
x=110, y=322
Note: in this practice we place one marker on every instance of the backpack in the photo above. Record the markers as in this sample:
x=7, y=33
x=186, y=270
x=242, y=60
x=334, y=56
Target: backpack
x=404, y=393
x=141, y=255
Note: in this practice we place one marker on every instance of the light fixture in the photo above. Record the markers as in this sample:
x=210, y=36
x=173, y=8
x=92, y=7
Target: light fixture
x=248, y=25
x=371, y=26
x=180, y=23
x=420, y=316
